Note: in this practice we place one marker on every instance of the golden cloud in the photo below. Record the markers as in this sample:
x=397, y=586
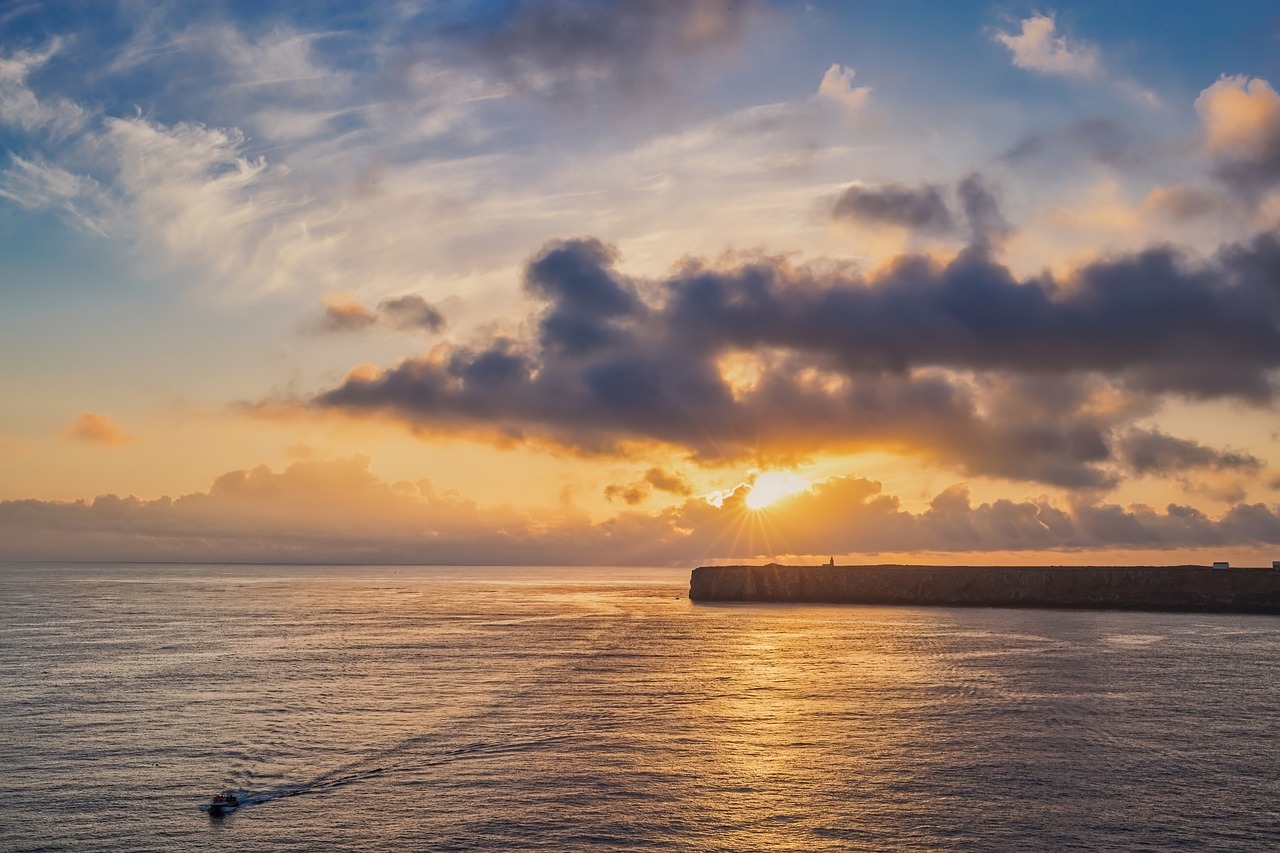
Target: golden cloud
x=330, y=511
x=94, y=428
x=1239, y=113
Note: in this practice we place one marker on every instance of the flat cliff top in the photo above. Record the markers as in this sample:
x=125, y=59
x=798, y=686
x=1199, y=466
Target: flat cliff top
x=947, y=567
x=1183, y=587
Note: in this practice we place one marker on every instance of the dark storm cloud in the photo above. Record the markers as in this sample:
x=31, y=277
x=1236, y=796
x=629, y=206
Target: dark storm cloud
x=1154, y=310
x=410, y=313
x=920, y=208
x=1154, y=452
x=961, y=363
x=567, y=48
x=587, y=299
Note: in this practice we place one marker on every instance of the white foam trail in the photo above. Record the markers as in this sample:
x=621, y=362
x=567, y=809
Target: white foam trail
x=357, y=771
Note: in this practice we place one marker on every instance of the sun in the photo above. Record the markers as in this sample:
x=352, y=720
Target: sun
x=773, y=485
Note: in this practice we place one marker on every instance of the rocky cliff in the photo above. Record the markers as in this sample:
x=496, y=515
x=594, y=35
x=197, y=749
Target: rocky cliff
x=1191, y=588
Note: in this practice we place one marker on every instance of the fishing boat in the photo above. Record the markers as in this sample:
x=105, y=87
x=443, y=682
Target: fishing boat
x=223, y=803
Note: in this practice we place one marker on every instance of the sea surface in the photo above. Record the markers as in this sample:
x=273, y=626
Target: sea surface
x=392, y=708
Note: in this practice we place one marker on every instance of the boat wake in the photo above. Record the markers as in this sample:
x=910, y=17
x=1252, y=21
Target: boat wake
x=360, y=770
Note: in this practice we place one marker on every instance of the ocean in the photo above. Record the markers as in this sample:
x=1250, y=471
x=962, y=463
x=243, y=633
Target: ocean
x=393, y=708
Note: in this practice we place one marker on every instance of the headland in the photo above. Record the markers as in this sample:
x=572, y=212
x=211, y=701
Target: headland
x=1181, y=588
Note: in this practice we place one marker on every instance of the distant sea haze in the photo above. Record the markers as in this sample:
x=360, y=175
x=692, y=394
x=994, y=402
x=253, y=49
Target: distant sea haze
x=394, y=708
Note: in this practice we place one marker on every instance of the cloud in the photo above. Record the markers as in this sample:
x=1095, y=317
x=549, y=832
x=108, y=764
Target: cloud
x=1101, y=139
x=837, y=85
x=256, y=156
x=20, y=106
x=1183, y=203
x=853, y=515
x=94, y=428
x=312, y=511
x=344, y=315
x=280, y=57
x=572, y=48
x=587, y=301
x=36, y=184
x=667, y=482
x=921, y=208
x=628, y=493
x=409, y=313
x=193, y=193
x=654, y=479
x=339, y=511
x=960, y=362
x=1154, y=452
x=194, y=190
x=987, y=225
x=1038, y=47
x=924, y=208
x=1241, y=118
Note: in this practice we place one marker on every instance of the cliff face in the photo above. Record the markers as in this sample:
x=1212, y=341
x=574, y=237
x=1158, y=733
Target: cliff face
x=1192, y=588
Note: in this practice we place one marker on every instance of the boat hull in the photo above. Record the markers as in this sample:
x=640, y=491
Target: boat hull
x=220, y=807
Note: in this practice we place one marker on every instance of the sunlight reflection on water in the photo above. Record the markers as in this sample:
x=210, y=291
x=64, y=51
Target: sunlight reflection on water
x=483, y=709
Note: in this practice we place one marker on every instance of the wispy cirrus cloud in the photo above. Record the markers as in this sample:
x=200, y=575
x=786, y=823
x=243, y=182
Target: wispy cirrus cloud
x=237, y=202
x=39, y=185
x=285, y=158
x=21, y=106
x=197, y=192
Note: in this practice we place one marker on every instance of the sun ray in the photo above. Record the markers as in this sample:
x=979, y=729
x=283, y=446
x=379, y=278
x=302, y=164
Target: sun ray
x=774, y=485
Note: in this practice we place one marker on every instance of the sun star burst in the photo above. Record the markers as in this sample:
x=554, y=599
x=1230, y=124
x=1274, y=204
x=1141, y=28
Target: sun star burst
x=772, y=486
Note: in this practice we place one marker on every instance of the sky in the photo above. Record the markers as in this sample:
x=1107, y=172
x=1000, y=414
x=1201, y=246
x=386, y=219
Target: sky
x=653, y=282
